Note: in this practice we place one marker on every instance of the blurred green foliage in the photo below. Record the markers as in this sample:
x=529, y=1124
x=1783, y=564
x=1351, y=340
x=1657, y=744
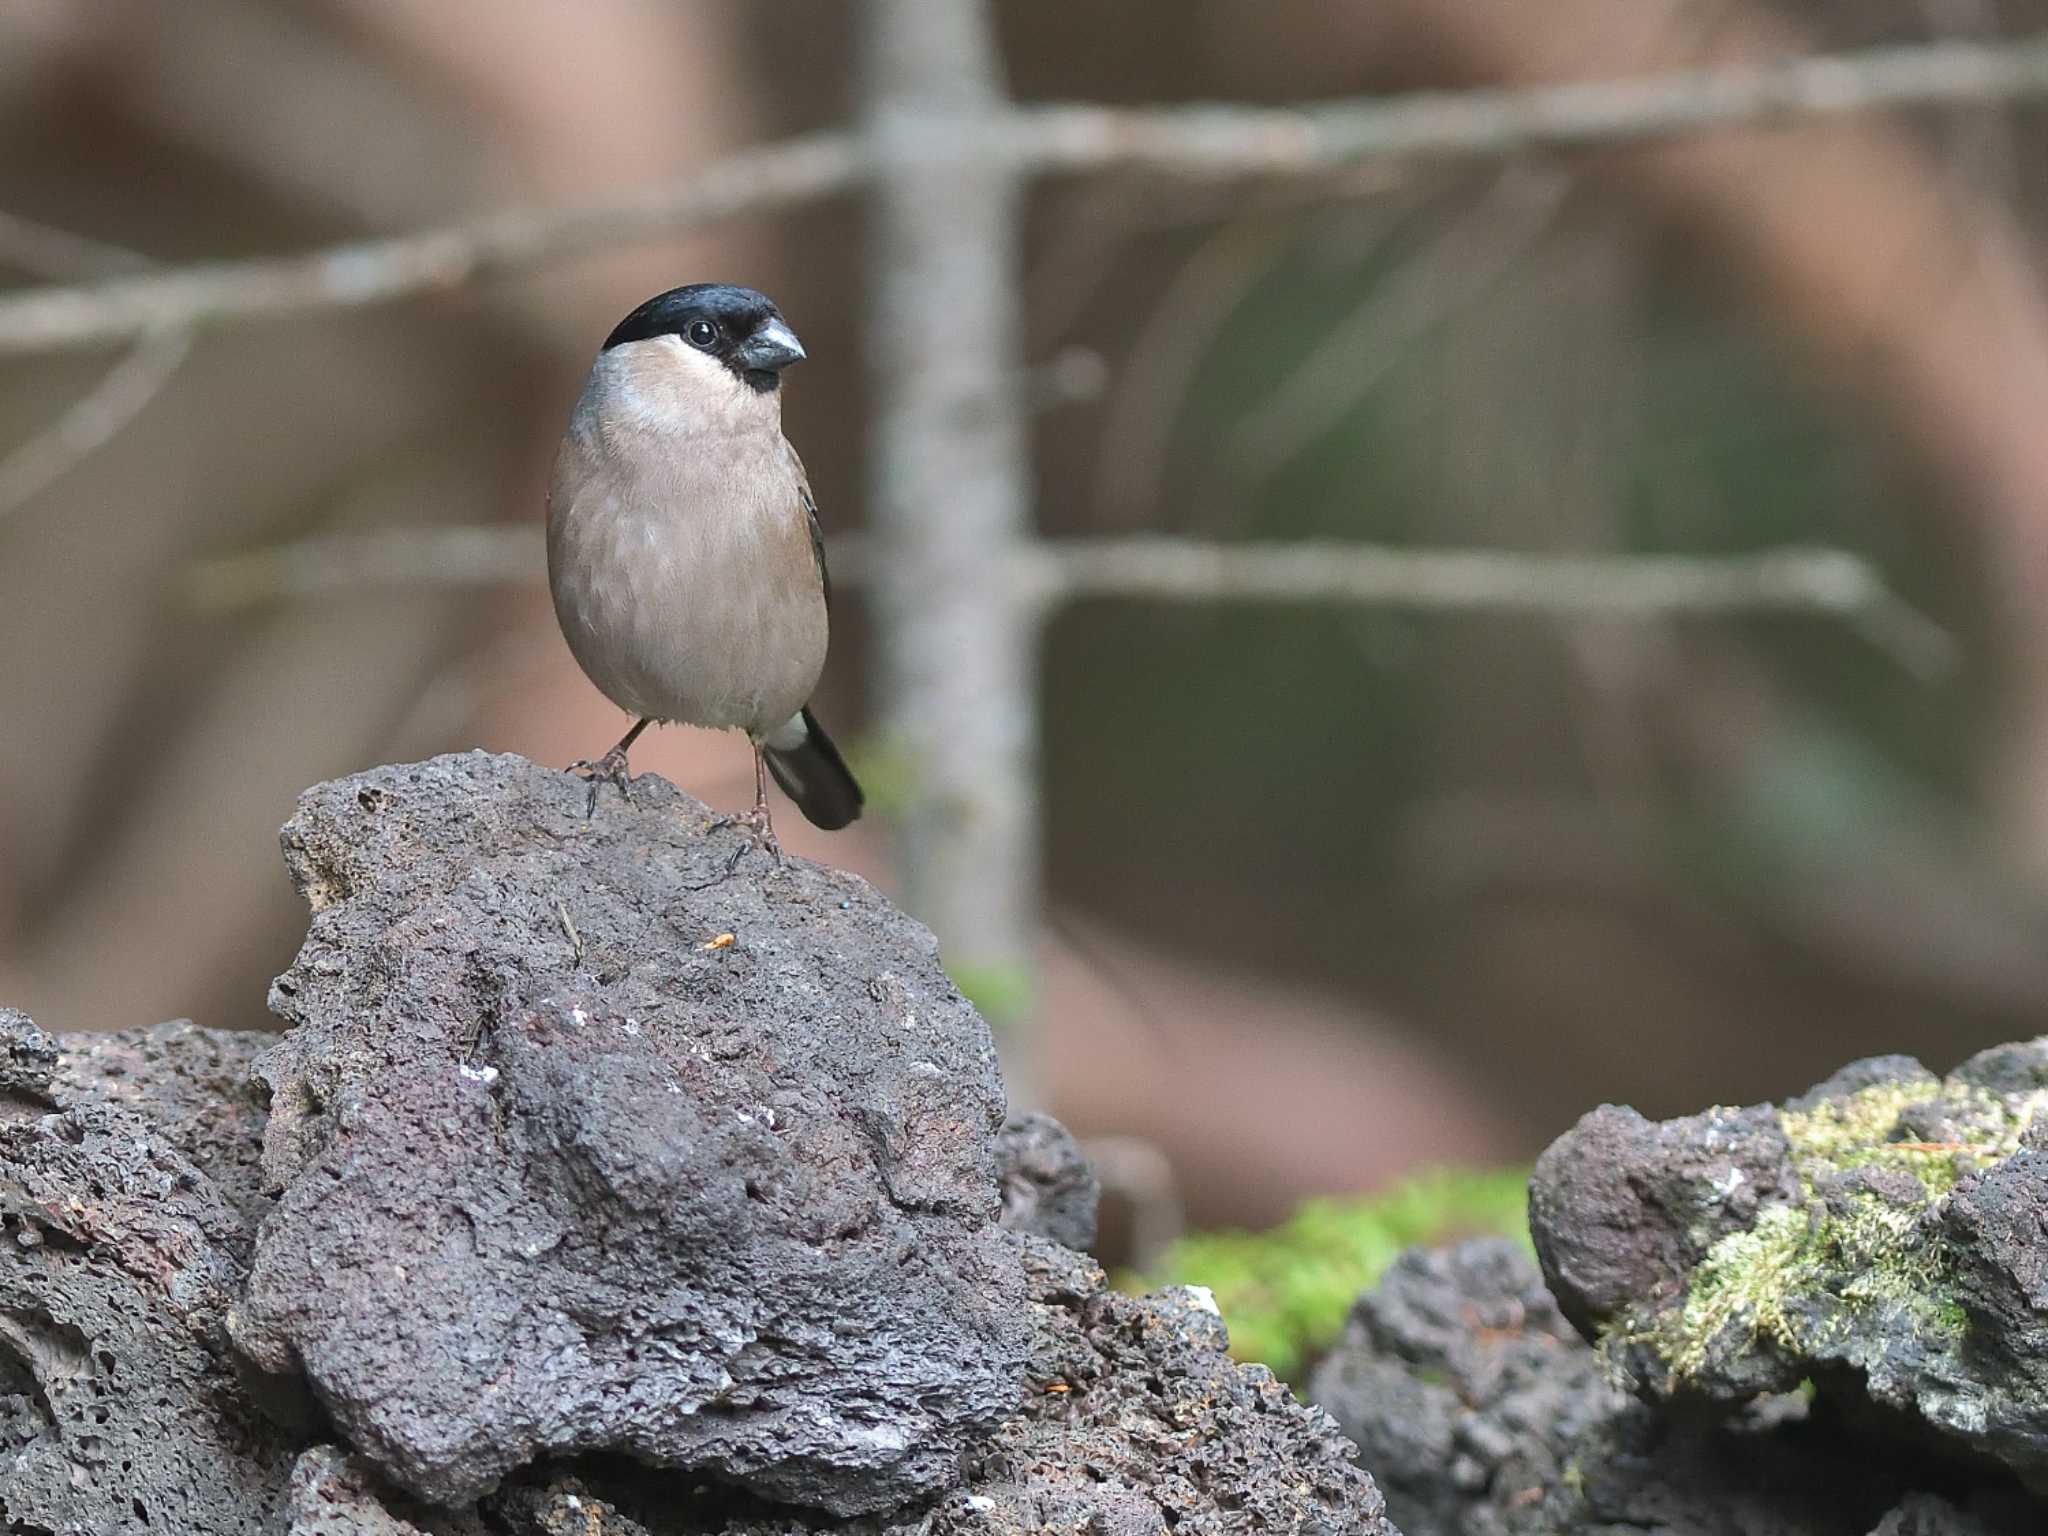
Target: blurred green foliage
x=886, y=770
x=1000, y=993
x=1284, y=1293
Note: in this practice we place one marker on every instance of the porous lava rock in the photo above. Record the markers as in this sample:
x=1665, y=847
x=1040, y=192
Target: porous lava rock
x=670, y=1199
x=196, y=1087
x=1880, y=1237
x=333, y=1494
x=1136, y=1423
x=1049, y=1186
x=586, y=1141
x=120, y=1254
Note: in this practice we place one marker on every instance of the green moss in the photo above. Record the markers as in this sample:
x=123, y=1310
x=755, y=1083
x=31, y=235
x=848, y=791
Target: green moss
x=1802, y=1275
x=1284, y=1293
x=1746, y=1280
x=1839, y=1129
x=1857, y=1132
x=1878, y=1247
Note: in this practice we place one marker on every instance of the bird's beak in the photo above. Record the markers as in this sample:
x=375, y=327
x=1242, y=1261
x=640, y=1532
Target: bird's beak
x=771, y=348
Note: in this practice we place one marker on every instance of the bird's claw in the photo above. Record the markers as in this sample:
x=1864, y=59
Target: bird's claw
x=609, y=769
x=760, y=833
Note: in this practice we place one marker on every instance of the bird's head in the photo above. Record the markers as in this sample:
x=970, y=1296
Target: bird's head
x=739, y=328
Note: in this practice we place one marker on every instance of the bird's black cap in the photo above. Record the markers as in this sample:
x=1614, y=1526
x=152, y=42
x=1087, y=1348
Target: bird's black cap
x=740, y=327
x=735, y=310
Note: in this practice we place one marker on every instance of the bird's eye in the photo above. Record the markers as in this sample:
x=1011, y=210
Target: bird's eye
x=701, y=333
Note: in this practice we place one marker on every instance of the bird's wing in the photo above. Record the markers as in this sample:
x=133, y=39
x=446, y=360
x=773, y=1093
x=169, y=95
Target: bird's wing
x=803, y=490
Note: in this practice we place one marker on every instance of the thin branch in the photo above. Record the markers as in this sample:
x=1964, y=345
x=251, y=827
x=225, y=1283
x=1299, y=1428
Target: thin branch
x=763, y=180
x=1327, y=571
x=50, y=252
x=1224, y=140
x=122, y=393
x=93, y=420
x=1817, y=581
x=1824, y=582
x=1195, y=141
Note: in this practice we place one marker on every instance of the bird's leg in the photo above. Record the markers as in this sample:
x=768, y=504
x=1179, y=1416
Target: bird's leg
x=759, y=823
x=610, y=768
x=761, y=803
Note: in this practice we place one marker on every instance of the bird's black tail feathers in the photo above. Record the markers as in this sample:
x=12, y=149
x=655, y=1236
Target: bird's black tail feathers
x=815, y=776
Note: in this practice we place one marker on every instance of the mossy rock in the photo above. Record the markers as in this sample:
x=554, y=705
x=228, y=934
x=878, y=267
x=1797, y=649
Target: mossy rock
x=1883, y=1237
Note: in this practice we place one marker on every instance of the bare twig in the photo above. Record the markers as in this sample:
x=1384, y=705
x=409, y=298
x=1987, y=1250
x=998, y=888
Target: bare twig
x=1826, y=582
x=50, y=252
x=1198, y=141
x=93, y=420
x=1816, y=581
x=1323, y=571
x=1222, y=140
x=1983, y=152
x=96, y=418
x=762, y=180
x=569, y=929
x=1819, y=581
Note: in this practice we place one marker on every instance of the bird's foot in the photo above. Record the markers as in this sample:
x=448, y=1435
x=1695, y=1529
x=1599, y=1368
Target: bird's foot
x=609, y=769
x=759, y=828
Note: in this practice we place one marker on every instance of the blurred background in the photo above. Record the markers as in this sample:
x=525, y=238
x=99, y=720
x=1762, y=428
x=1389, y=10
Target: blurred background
x=1285, y=897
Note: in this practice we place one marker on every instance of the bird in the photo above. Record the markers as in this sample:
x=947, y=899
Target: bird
x=684, y=552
